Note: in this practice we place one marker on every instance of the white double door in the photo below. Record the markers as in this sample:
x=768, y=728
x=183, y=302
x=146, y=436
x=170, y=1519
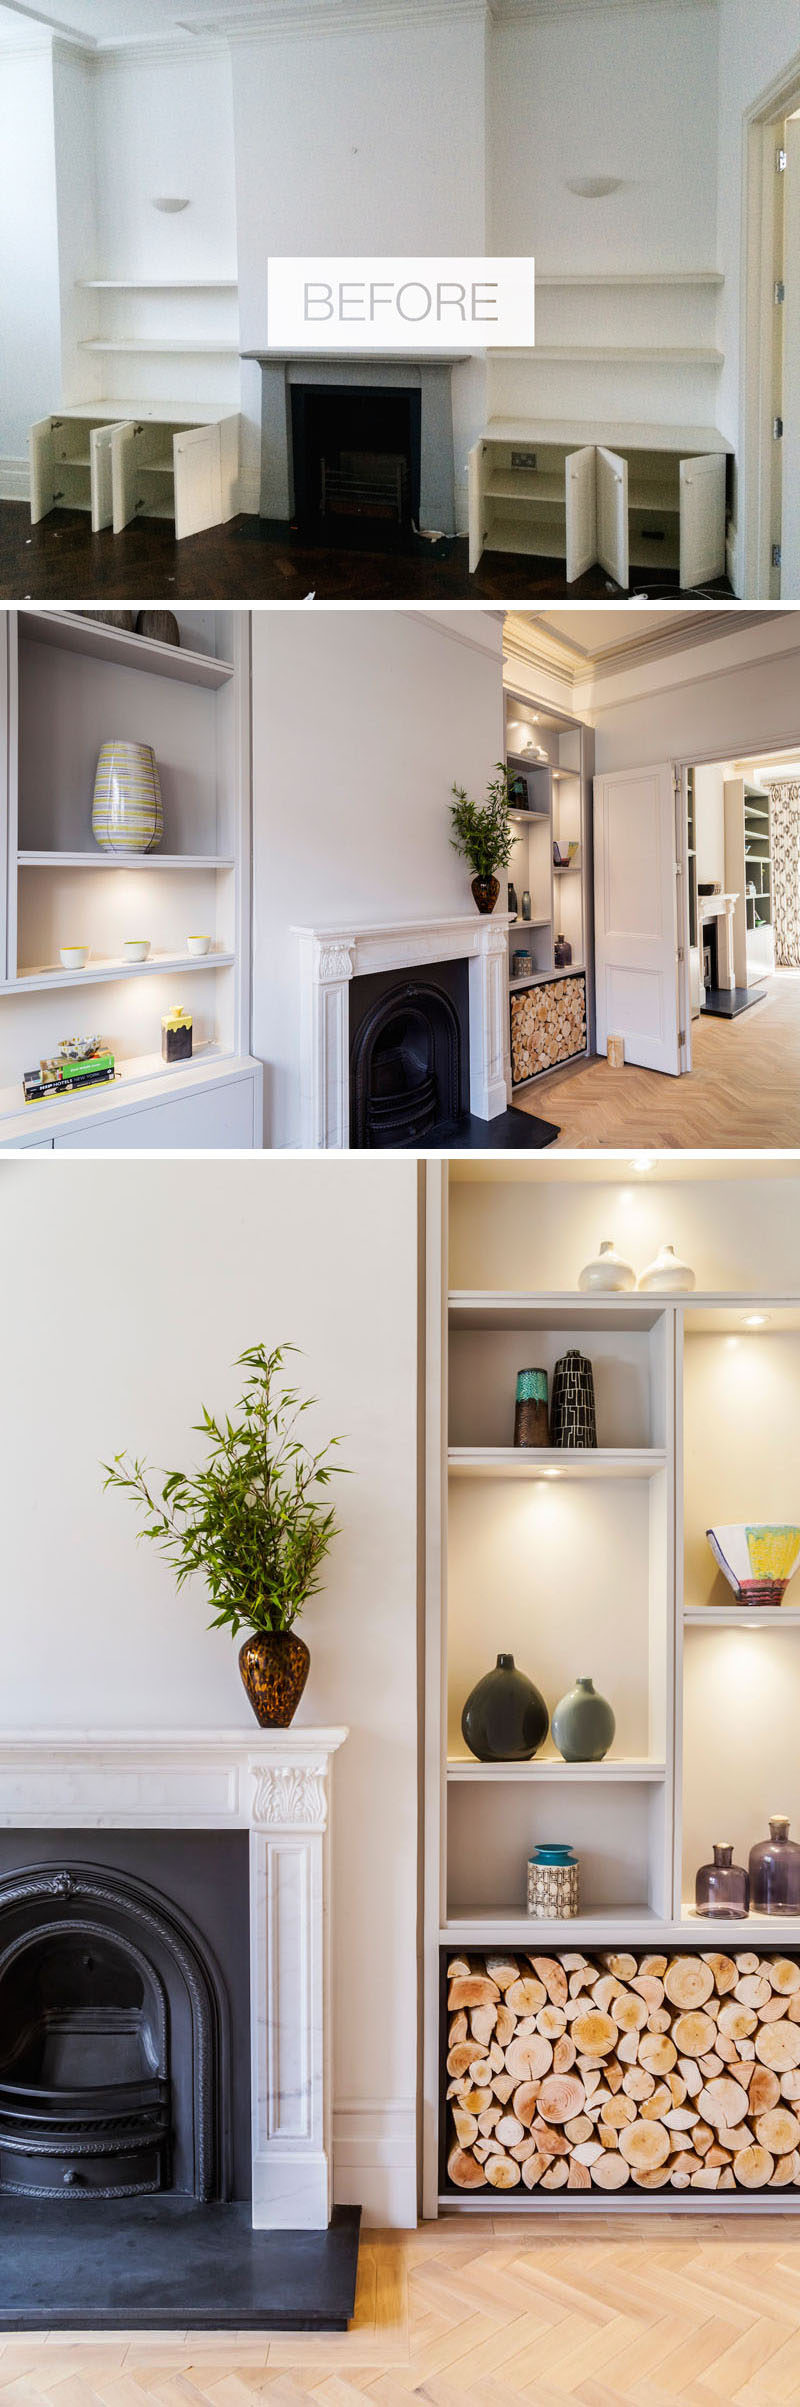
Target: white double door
x=641, y=916
x=598, y=521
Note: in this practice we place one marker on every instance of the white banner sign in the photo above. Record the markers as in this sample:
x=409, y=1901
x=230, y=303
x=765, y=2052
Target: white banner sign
x=399, y=304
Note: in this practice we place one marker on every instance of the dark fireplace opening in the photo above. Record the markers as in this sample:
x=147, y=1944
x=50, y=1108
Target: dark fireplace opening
x=409, y=1054
x=116, y=2020
x=356, y=459
x=710, y=953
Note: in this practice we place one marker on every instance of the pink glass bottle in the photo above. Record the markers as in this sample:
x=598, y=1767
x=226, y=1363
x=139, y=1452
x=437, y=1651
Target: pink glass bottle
x=775, y=1871
x=722, y=1889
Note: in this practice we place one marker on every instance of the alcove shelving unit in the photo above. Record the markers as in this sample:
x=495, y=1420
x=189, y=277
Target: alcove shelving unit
x=72, y=683
x=602, y=1566
x=551, y=758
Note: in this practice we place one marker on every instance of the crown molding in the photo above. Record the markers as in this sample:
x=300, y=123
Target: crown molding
x=158, y=51
x=283, y=20
x=533, y=642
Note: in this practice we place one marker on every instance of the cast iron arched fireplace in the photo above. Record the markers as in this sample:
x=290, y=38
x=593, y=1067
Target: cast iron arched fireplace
x=408, y=1056
x=114, y=2057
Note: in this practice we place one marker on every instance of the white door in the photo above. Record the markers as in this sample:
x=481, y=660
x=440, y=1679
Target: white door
x=702, y=519
x=612, y=514
x=198, y=480
x=581, y=496
x=100, y=457
x=790, y=447
x=41, y=450
x=475, y=481
x=640, y=915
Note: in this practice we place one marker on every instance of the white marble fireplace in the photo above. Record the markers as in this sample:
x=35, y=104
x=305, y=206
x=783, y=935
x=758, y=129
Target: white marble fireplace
x=331, y=957
x=276, y=1785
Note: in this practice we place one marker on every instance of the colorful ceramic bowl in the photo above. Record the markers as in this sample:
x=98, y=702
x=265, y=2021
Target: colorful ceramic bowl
x=136, y=948
x=73, y=956
x=757, y=1558
x=198, y=944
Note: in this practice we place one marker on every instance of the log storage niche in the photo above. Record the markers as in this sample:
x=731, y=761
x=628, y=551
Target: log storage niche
x=655, y=2070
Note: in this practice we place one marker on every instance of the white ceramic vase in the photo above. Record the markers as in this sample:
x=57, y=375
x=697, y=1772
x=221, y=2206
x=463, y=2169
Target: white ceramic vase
x=667, y=1275
x=607, y=1274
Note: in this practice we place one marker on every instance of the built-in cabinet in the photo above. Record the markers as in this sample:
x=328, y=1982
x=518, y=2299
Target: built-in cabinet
x=549, y=760
x=598, y=1561
x=614, y=498
x=748, y=872
x=121, y=461
x=71, y=683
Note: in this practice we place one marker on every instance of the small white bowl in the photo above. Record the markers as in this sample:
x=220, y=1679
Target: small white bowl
x=73, y=956
x=198, y=944
x=136, y=948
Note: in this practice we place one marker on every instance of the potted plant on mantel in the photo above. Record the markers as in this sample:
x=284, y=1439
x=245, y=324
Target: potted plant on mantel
x=483, y=837
x=254, y=1521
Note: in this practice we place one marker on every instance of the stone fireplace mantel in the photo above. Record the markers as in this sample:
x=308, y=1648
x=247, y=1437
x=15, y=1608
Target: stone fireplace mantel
x=276, y=1785
x=429, y=374
x=330, y=957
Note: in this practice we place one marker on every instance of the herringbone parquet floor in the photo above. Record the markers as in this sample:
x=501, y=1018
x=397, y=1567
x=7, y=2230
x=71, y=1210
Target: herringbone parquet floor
x=706, y=2313
x=743, y=1088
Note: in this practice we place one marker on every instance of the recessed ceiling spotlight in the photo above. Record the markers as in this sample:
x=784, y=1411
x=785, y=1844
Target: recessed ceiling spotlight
x=642, y=1162
x=755, y=1320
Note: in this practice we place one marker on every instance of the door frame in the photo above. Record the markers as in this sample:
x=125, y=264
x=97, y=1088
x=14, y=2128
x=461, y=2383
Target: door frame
x=780, y=100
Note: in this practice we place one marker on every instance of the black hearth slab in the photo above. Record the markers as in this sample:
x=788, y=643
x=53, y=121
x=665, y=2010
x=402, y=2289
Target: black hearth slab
x=169, y=2264
x=512, y=1132
x=726, y=1002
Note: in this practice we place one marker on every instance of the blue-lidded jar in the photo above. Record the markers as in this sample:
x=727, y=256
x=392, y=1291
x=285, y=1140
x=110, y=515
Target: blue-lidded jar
x=553, y=1872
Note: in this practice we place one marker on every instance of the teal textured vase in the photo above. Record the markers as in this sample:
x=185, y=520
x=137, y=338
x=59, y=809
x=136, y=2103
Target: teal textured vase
x=583, y=1724
x=531, y=1423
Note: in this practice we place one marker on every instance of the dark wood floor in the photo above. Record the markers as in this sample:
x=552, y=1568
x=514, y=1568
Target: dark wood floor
x=256, y=559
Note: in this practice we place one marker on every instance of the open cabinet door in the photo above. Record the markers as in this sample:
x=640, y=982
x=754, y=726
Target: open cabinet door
x=612, y=514
x=581, y=495
x=100, y=456
x=475, y=494
x=198, y=480
x=702, y=519
x=790, y=518
x=639, y=915
x=41, y=451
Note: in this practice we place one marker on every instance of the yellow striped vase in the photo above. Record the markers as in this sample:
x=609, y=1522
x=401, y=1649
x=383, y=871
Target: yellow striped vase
x=127, y=811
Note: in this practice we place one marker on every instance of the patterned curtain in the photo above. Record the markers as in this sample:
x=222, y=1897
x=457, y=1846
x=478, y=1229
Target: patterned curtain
x=785, y=848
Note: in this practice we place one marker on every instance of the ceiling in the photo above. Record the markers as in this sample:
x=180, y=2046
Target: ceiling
x=594, y=634
x=105, y=24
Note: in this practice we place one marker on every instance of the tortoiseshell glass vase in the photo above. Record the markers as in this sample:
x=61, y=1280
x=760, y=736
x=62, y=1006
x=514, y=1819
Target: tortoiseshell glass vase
x=274, y=1667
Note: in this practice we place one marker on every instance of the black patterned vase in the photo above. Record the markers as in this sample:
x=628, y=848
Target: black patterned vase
x=572, y=1413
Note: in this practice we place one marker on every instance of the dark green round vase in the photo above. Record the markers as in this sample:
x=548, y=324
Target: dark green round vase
x=505, y=1718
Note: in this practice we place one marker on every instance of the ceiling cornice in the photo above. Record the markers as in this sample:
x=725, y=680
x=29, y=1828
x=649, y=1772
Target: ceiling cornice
x=157, y=51
x=290, y=19
x=533, y=642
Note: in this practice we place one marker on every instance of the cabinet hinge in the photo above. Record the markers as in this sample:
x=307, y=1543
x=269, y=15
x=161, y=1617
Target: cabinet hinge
x=777, y=429
x=779, y=291
x=681, y=953
x=777, y=556
x=780, y=162
x=681, y=1036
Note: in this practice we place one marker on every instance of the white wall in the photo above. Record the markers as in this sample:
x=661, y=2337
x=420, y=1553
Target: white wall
x=627, y=92
x=73, y=111
x=370, y=140
x=165, y=126
x=362, y=720
x=726, y=698
x=709, y=809
x=29, y=300
x=135, y=1286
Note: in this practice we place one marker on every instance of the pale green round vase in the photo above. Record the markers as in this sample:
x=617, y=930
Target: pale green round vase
x=583, y=1724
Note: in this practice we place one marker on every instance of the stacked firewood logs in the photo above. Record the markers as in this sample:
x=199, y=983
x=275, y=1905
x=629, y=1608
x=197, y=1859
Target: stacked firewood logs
x=577, y=2072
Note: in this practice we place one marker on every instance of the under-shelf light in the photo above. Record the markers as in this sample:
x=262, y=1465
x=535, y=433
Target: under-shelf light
x=642, y=1162
x=755, y=1320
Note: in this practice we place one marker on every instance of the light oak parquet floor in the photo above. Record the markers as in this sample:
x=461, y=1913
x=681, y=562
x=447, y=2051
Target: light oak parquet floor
x=649, y=2313
x=743, y=1088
